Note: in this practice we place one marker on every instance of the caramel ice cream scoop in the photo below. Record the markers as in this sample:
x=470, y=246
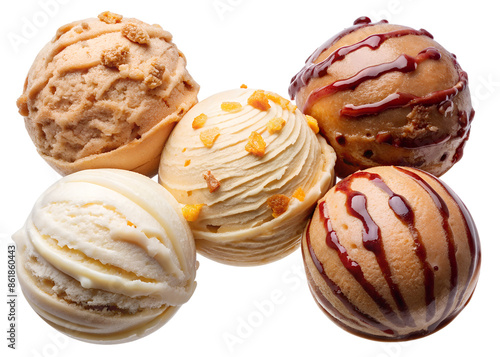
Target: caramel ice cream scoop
x=248, y=169
x=106, y=92
x=391, y=253
x=106, y=256
x=386, y=94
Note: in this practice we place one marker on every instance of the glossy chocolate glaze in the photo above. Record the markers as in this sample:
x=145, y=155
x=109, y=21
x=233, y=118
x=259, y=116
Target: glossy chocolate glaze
x=472, y=239
x=404, y=64
x=315, y=70
x=356, y=206
x=312, y=70
x=464, y=120
x=400, y=100
x=353, y=310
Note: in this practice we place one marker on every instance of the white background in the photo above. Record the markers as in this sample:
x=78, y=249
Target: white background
x=263, y=44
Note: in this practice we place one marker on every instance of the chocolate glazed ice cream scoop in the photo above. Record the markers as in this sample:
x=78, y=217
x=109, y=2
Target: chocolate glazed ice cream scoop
x=391, y=253
x=387, y=94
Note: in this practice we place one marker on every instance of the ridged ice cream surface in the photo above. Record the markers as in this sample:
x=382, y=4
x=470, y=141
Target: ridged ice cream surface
x=106, y=255
x=229, y=155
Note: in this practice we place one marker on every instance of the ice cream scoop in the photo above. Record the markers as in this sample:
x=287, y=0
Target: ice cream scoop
x=391, y=253
x=106, y=256
x=387, y=94
x=105, y=93
x=248, y=169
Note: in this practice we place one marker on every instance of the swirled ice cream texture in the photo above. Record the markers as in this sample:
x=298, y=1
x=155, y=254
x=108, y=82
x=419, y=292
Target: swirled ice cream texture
x=106, y=92
x=106, y=256
x=251, y=161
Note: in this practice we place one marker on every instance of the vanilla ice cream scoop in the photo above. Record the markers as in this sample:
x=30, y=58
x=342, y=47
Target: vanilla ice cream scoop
x=106, y=256
x=248, y=168
x=391, y=253
x=105, y=92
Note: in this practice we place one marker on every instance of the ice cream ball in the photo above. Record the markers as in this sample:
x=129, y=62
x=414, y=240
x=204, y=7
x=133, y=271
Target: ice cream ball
x=386, y=94
x=248, y=169
x=106, y=256
x=391, y=253
x=105, y=92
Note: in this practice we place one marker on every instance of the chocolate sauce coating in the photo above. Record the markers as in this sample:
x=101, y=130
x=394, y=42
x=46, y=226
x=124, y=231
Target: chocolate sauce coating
x=403, y=64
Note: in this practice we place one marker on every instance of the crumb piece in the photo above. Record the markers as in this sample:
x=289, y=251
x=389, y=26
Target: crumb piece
x=22, y=104
x=259, y=100
x=191, y=212
x=256, y=144
x=135, y=33
x=384, y=137
x=110, y=17
x=292, y=108
x=114, y=57
x=299, y=194
x=313, y=124
x=199, y=121
x=209, y=136
x=187, y=162
x=184, y=150
x=212, y=183
x=78, y=29
x=231, y=106
x=244, y=86
x=418, y=121
x=278, y=99
x=154, y=74
x=132, y=72
x=276, y=124
x=278, y=204
x=85, y=25
x=62, y=30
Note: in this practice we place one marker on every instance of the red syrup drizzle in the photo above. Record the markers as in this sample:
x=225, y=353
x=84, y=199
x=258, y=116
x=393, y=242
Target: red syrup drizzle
x=322, y=301
x=309, y=70
x=395, y=100
x=445, y=215
x=406, y=215
x=315, y=70
x=464, y=120
x=441, y=98
x=356, y=205
x=353, y=310
x=472, y=240
x=401, y=100
x=403, y=64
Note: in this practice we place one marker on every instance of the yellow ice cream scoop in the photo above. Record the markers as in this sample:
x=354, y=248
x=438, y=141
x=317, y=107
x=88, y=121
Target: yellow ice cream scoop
x=248, y=168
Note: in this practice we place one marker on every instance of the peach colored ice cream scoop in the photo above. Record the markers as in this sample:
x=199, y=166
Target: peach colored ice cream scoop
x=391, y=253
x=106, y=92
x=387, y=94
x=106, y=256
